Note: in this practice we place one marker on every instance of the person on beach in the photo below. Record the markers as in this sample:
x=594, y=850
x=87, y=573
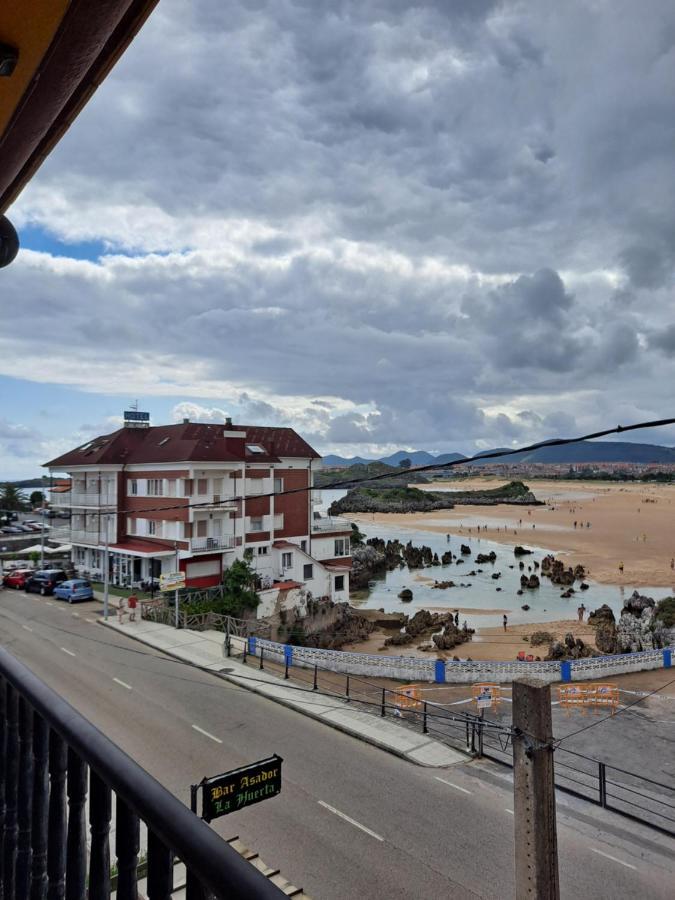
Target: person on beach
x=580, y=612
x=672, y=563
x=621, y=567
x=133, y=603
x=505, y=621
x=456, y=618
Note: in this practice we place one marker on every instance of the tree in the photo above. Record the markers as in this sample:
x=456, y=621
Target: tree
x=37, y=498
x=405, y=464
x=357, y=536
x=11, y=498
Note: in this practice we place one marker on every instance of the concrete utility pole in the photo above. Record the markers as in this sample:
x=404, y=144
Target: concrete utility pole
x=534, y=792
x=106, y=571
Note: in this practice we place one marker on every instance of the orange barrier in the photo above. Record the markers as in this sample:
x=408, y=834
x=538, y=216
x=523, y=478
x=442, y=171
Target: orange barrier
x=486, y=695
x=583, y=696
x=407, y=697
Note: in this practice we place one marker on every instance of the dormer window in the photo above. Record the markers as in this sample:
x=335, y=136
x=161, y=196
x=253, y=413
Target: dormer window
x=255, y=448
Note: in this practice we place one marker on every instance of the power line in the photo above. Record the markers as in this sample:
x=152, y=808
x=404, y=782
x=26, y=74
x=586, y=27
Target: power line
x=336, y=485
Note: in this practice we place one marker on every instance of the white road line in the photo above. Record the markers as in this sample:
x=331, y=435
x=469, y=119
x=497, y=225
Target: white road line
x=350, y=820
x=61, y=608
x=27, y=627
x=91, y=621
x=123, y=683
x=450, y=784
x=77, y=615
x=49, y=604
x=208, y=734
x=69, y=652
x=510, y=811
x=613, y=858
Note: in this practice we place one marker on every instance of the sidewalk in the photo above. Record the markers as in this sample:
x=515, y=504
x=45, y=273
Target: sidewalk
x=205, y=650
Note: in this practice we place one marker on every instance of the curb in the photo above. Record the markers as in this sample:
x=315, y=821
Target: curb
x=240, y=682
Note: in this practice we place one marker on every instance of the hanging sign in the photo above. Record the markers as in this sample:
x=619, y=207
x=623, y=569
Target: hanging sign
x=172, y=581
x=232, y=791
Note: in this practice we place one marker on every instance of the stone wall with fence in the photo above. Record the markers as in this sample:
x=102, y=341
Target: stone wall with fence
x=413, y=669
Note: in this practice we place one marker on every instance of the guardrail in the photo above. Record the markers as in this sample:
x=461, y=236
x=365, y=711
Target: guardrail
x=327, y=524
x=203, y=545
x=51, y=758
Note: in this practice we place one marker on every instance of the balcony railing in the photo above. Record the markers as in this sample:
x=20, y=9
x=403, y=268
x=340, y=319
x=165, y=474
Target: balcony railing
x=217, y=501
x=50, y=759
x=329, y=524
x=75, y=536
x=93, y=498
x=206, y=544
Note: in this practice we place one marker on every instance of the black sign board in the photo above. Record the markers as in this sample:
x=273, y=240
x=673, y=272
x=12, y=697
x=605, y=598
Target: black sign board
x=239, y=788
x=133, y=415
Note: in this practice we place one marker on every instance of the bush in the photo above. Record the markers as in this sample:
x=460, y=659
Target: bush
x=665, y=611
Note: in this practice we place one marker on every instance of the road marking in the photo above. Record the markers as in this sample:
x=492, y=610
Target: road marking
x=77, y=615
x=208, y=734
x=91, y=621
x=26, y=627
x=613, y=858
x=49, y=604
x=61, y=608
x=450, y=784
x=509, y=811
x=123, y=683
x=69, y=652
x=350, y=820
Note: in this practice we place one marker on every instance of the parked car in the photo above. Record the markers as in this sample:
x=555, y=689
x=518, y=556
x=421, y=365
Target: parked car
x=17, y=578
x=74, y=590
x=12, y=529
x=44, y=581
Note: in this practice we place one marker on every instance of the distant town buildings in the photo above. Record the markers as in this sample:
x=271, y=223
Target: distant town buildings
x=194, y=497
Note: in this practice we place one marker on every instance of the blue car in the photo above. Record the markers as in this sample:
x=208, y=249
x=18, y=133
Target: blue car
x=74, y=590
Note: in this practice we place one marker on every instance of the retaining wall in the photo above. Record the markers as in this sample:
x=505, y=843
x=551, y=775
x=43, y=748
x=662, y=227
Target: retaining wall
x=412, y=669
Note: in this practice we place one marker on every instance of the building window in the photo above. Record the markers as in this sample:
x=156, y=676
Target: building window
x=303, y=546
x=131, y=526
x=155, y=487
x=188, y=486
x=278, y=485
x=152, y=526
x=286, y=560
x=341, y=546
x=202, y=486
x=279, y=520
x=256, y=523
x=171, y=487
x=308, y=572
x=339, y=582
x=133, y=487
x=255, y=448
x=263, y=551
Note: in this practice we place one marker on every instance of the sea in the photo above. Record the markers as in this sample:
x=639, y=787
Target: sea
x=480, y=592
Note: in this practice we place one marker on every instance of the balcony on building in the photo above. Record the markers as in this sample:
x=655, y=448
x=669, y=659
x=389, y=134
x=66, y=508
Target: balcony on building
x=329, y=524
x=213, y=544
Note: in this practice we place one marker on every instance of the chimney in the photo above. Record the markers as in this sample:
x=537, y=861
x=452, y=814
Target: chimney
x=228, y=422
x=186, y=421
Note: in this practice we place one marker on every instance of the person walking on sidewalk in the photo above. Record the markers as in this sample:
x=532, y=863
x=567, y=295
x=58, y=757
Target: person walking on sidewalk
x=133, y=603
x=120, y=610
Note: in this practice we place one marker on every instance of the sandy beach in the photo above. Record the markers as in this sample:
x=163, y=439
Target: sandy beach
x=629, y=523
x=487, y=643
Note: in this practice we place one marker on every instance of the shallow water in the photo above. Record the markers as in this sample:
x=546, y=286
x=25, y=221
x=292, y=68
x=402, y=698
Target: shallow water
x=545, y=602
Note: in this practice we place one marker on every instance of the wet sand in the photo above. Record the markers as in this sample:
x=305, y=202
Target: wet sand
x=629, y=523
x=487, y=643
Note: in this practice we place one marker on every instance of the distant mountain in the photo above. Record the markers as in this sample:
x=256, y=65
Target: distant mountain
x=584, y=452
x=592, y=452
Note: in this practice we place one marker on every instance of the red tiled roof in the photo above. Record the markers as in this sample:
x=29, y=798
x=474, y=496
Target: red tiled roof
x=285, y=585
x=140, y=546
x=187, y=442
x=280, y=544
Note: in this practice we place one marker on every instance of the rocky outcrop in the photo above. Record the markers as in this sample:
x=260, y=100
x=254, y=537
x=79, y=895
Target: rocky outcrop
x=342, y=625
x=486, y=557
x=637, y=628
x=401, y=499
x=570, y=648
x=559, y=573
x=406, y=595
x=446, y=634
x=521, y=551
x=465, y=550
x=367, y=562
x=531, y=583
x=442, y=585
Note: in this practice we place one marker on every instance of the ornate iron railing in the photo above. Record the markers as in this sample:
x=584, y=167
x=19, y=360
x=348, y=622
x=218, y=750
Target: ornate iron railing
x=50, y=758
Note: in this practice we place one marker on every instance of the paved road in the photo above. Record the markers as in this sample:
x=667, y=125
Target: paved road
x=352, y=821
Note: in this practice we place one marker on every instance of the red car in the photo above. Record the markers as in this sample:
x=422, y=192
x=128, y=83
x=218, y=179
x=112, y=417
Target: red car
x=17, y=578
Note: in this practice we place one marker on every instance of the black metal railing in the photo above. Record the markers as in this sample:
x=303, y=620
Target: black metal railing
x=55, y=767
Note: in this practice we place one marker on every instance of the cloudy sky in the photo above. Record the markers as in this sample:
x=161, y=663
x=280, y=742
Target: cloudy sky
x=441, y=225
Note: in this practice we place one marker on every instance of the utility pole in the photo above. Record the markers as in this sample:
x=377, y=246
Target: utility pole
x=42, y=539
x=106, y=570
x=534, y=792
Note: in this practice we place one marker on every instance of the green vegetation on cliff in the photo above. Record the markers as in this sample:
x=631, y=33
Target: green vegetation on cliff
x=410, y=499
